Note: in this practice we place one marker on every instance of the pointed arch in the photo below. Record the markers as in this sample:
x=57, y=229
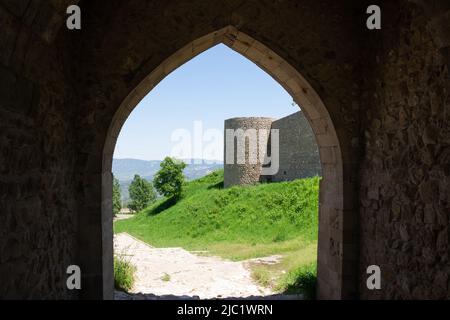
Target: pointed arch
x=336, y=254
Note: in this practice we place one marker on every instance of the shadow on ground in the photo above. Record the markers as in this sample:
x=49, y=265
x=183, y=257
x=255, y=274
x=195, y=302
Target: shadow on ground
x=163, y=206
x=216, y=186
x=120, y=295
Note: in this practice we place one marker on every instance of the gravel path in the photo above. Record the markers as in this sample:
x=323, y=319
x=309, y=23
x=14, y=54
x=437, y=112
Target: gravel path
x=177, y=272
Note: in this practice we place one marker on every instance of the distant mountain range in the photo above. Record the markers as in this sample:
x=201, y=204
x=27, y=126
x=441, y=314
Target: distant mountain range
x=125, y=169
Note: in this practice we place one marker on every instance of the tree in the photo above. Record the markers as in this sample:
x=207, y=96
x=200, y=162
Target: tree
x=169, y=179
x=142, y=194
x=116, y=197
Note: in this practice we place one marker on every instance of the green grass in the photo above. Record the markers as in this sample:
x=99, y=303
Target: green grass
x=287, y=276
x=237, y=223
x=301, y=279
x=124, y=274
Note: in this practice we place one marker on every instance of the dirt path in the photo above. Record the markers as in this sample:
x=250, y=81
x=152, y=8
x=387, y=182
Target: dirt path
x=177, y=272
x=122, y=216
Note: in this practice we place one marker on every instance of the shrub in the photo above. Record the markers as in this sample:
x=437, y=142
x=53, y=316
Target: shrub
x=165, y=277
x=124, y=274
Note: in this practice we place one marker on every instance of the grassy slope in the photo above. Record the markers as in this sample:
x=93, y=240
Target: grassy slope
x=237, y=223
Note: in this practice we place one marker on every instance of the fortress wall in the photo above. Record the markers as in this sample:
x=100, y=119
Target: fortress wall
x=299, y=153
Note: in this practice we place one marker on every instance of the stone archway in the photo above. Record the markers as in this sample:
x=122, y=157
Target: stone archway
x=61, y=88
x=336, y=250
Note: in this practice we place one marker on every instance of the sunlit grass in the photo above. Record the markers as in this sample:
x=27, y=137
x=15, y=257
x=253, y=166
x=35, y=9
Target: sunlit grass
x=124, y=274
x=238, y=223
x=287, y=276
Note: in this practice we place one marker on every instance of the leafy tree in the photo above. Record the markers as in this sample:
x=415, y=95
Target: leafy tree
x=142, y=194
x=169, y=179
x=116, y=197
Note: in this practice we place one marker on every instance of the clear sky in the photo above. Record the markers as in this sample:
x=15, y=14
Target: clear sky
x=216, y=85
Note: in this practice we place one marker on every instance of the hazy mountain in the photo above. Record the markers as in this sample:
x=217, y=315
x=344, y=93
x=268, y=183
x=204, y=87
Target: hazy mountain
x=125, y=169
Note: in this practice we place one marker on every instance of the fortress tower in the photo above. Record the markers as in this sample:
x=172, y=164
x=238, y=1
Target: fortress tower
x=298, y=153
x=236, y=173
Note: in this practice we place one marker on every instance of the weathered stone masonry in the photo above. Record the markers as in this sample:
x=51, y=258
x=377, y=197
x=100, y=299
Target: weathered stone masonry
x=38, y=219
x=298, y=154
x=377, y=102
x=246, y=173
x=405, y=186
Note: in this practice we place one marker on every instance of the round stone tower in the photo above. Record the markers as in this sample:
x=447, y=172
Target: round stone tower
x=244, y=147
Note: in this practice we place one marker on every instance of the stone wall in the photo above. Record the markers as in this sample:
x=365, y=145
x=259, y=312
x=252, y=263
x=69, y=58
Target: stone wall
x=127, y=48
x=84, y=77
x=405, y=172
x=249, y=172
x=38, y=214
x=377, y=102
x=299, y=153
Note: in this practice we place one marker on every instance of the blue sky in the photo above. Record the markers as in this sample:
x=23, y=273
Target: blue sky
x=216, y=85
